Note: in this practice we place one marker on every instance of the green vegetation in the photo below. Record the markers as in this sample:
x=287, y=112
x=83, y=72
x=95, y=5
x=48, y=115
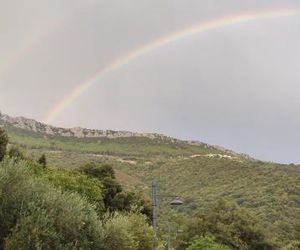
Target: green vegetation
x=34, y=215
x=50, y=208
x=60, y=210
x=3, y=143
x=230, y=201
x=230, y=225
x=42, y=160
x=16, y=153
x=122, y=232
x=89, y=188
x=131, y=146
x=206, y=243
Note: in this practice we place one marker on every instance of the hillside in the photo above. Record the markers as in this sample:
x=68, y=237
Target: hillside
x=197, y=172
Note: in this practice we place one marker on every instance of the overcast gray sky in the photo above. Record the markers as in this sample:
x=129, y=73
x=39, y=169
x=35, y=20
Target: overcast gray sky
x=237, y=86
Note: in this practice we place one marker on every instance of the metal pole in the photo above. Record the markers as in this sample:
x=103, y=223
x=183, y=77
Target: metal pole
x=169, y=236
x=154, y=206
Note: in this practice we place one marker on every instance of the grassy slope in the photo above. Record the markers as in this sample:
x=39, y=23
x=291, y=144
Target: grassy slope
x=270, y=191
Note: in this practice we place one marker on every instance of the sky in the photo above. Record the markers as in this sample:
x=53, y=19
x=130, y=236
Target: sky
x=236, y=86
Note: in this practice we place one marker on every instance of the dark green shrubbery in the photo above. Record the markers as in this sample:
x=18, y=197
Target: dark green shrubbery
x=44, y=208
x=294, y=245
x=129, y=232
x=35, y=215
x=86, y=186
x=106, y=175
x=16, y=153
x=42, y=160
x=3, y=143
x=114, y=196
x=55, y=209
x=229, y=224
x=206, y=243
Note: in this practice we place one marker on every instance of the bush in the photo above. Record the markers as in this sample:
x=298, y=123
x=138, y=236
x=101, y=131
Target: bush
x=129, y=231
x=114, y=197
x=86, y=186
x=15, y=153
x=98, y=171
x=294, y=245
x=43, y=161
x=230, y=224
x=117, y=234
x=111, y=188
x=206, y=243
x=3, y=143
x=35, y=215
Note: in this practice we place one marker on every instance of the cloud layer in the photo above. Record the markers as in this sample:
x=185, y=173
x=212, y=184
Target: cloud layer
x=236, y=87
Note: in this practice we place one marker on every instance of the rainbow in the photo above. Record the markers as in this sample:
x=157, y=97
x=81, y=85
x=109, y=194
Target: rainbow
x=136, y=53
x=15, y=55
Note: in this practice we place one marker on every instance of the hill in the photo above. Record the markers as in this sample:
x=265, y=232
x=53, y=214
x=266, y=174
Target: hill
x=197, y=172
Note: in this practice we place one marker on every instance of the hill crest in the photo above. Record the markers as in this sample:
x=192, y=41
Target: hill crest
x=34, y=126
x=79, y=132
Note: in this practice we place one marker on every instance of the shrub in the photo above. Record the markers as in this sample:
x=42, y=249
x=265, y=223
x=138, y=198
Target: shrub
x=229, y=224
x=117, y=234
x=206, y=243
x=106, y=175
x=43, y=161
x=98, y=171
x=294, y=245
x=16, y=153
x=114, y=197
x=35, y=215
x=128, y=231
x=86, y=186
x=3, y=143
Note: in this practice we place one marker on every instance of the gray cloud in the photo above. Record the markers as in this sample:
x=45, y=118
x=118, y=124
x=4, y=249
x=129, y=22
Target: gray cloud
x=236, y=86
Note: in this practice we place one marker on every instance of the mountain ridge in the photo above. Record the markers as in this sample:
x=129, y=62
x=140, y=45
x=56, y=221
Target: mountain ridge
x=79, y=132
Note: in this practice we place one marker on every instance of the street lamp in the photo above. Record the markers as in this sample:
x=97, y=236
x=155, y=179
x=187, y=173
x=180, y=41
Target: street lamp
x=175, y=202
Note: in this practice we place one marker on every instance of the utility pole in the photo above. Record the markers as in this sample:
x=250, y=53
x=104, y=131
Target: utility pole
x=154, y=206
x=174, y=202
x=169, y=236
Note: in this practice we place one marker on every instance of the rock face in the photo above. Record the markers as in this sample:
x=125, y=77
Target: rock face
x=45, y=129
x=38, y=127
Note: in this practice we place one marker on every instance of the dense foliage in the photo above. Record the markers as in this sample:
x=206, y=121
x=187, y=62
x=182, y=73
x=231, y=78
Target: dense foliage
x=15, y=152
x=115, y=198
x=50, y=208
x=3, y=143
x=206, y=243
x=35, y=215
x=42, y=160
x=122, y=232
x=230, y=201
x=229, y=224
x=90, y=188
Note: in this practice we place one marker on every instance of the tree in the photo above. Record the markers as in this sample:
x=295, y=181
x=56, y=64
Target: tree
x=79, y=183
x=98, y=171
x=106, y=175
x=3, y=143
x=42, y=160
x=36, y=215
x=129, y=231
x=230, y=224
